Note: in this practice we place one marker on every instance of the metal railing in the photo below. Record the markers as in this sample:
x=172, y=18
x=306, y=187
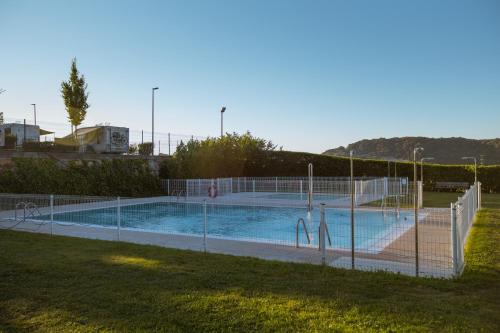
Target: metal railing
x=299, y=222
x=463, y=213
x=388, y=193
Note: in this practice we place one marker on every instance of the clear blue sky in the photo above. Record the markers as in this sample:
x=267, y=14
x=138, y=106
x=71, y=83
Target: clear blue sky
x=309, y=75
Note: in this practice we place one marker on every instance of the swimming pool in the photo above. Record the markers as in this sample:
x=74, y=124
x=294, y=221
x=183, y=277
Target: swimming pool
x=249, y=223
x=297, y=196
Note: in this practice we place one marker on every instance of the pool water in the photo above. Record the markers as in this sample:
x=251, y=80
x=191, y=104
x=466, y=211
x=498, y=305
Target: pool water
x=252, y=223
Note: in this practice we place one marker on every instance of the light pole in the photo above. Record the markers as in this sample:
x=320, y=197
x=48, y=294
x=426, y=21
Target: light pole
x=422, y=167
x=415, y=204
x=475, y=166
x=222, y=121
x=34, y=112
x=153, y=120
x=351, y=153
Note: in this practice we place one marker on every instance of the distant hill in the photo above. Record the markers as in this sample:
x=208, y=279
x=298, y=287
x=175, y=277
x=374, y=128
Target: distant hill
x=444, y=150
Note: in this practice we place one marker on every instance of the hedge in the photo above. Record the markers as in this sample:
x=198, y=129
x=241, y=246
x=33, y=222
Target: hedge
x=128, y=178
x=285, y=163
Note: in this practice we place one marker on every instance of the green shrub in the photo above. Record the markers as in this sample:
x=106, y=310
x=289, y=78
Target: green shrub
x=145, y=148
x=10, y=141
x=247, y=156
x=128, y=178
x=33, y=146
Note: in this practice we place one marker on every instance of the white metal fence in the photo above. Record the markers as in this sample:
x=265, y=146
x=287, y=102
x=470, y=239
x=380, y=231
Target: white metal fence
x=375, y=237
x=462, y=216
x=388, y=192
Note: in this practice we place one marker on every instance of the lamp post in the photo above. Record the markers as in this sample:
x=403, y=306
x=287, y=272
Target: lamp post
x=153, y=120
x=351, y=153
x=475, y=166
x=422, y=167
x=34, y=112
x=222, y=121
x=415, y=204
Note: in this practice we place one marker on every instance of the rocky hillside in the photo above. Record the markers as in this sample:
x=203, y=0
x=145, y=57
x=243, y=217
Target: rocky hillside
x=444, y=150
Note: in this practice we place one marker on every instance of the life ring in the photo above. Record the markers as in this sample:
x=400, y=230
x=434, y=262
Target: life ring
x=212, y=191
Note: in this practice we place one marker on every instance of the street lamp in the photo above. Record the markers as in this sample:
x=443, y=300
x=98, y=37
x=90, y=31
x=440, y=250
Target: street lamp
x=475, y=166
x=153, y=120
x=352, y=185
x=415, y=204
x=422, y=167
x=222, y=121
x=34, y=111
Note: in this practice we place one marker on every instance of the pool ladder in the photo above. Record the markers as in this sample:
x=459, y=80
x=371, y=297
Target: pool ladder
x=29, y=207
x=301, y=221
x=179, y=194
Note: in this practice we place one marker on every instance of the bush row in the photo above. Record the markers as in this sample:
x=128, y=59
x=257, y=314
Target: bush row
x=285, y=163
x=128, y=178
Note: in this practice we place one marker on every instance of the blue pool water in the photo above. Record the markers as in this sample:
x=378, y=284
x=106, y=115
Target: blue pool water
x=298, y=196
x=256, y=223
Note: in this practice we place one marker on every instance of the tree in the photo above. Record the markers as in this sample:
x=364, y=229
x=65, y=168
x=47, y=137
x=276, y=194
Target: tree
x=75, y=96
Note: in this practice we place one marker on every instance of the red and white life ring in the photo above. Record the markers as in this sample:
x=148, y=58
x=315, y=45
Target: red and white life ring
x=212, y=191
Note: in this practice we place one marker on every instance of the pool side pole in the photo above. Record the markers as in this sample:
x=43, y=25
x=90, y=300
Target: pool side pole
x=205, y=225
x=322, y=234
x=51, y=214
x=118, y=216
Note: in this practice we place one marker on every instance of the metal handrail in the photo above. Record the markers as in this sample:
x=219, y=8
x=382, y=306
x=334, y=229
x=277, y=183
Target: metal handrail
x=30, y=206
x=179, y=194
x=327, y=235
x=32, y=209
x=297, y=232
x=24, y=210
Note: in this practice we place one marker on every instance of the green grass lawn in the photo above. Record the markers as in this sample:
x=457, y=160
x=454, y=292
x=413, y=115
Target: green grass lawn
x=443, y=199
x=63, y=284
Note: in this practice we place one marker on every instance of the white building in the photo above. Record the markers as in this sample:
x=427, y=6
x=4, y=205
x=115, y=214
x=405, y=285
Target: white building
x=22, y=133
x=103, y=139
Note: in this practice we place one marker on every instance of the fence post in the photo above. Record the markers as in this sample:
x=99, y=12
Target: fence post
x=118, y=216
x=168, y=186
x=276, y=182
x=454, y=239
x=205, y=225
x=51, y=214
x=301, y=189
x=420, y=194
x=310, y=188
x=322, y=234
x=253, y=186
x=479, y=195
